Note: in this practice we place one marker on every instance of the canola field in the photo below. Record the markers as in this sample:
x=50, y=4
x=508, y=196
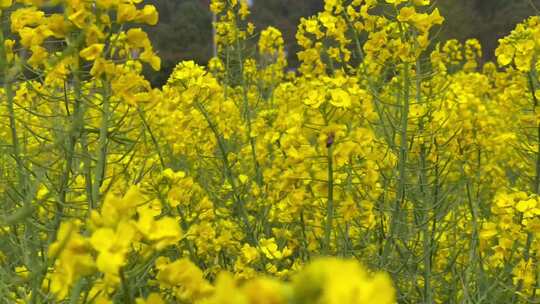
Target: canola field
x=390, y=167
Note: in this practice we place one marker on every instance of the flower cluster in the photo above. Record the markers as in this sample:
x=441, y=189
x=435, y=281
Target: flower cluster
x=236, y=182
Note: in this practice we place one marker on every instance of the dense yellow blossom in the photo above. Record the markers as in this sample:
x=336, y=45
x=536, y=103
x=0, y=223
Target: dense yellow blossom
x=409, y=158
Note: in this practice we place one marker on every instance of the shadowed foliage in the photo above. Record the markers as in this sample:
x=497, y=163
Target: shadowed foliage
x=190, y=21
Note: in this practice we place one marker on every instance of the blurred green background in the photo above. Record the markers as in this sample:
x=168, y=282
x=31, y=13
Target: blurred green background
x=185, y=30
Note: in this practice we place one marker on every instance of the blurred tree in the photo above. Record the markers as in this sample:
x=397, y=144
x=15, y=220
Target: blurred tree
x=485, y=20
x=184, y=31
x=285, y=15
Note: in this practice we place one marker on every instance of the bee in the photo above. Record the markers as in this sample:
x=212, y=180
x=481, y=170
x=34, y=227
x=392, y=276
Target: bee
x=330, y=139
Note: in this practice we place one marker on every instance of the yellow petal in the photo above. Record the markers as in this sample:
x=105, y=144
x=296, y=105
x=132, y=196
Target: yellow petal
x=92, y=52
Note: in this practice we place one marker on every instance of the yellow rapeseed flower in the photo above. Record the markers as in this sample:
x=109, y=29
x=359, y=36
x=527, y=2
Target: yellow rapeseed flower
x=92, y=52
x=148, y=15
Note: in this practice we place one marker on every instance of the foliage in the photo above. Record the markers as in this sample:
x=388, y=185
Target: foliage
x=188, y=20
x=180, y=21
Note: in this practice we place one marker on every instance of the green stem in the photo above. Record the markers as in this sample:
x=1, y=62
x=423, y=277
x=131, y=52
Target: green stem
x=99, y=174
x=76, y=292
x=8, y=89
x=330, y=202
x=128, y=297
x=152, y=136
x=247, y=114
x=229, y=174
x=426, y=206
x=397, y=220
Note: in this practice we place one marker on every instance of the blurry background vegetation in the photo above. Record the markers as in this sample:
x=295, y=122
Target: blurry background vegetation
x=185, y=28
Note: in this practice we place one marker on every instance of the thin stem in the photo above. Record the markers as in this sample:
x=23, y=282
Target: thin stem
x=330, y=201
x=102, y=146
x=228, y=173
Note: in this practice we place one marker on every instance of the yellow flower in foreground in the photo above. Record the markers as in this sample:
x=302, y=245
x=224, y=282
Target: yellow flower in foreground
x=73, y=259
x=39, y=55
x=163, y=232
x=137, y=38
x=112, y=246
x=270, y=249
x=249, y=253
x=334, y=281
x=340, y=98
x=92, y=52
x=22, y=271
x=79, y=18
x=395, y=2
x=421, y=2
x=149, y=57
x=106, y=4
x=406, y=14
x=28, y=16
x=148, y=15
x=226, y=291
x=8, y=45
x=153, y=298
x=186, y=279
x=126, y=12
x=117, y=209
x=5, y=3
x=102, y=66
